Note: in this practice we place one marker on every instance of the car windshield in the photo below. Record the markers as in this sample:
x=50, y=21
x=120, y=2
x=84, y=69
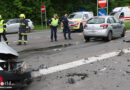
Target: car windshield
x=116, y=14
x=96, y=21
x=75, y=16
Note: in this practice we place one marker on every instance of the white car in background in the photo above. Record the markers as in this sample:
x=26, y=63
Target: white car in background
x=13, y=25
x=76, y=20
x=123, y=13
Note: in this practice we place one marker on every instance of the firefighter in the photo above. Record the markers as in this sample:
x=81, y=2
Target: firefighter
x=23, y=30
x=66, y=27
x=3, y=30
x=54, y=22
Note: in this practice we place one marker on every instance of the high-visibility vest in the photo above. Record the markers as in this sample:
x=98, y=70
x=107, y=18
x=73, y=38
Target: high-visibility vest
x=1, y=26
x=54, y=22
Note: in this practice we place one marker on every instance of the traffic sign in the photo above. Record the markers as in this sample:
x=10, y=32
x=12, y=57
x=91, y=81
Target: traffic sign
x=102, y=12
x=43, y=8
x=102, y=3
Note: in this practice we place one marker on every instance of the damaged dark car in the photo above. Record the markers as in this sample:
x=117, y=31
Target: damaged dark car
x=13, y=73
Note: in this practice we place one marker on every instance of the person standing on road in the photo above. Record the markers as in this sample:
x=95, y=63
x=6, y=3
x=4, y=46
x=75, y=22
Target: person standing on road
x=3, y=30
x=23, y=30
x=66, y=26
x=54, y=22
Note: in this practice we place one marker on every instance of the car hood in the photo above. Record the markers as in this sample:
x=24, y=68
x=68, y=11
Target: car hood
x=6, y=50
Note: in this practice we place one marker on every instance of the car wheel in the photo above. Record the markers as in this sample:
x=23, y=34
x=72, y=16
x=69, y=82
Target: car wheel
x=81, y=28
x=123, y=33
x=87, y=39
x=109, y=36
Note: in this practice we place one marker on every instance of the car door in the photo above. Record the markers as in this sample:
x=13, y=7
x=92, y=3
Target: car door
x=85, y=18
x=12, y=26
x=119, y=26
x=113, y=26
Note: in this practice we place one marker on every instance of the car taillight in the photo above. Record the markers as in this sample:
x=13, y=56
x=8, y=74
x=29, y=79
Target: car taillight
x=61, y=25
x=1, y=79
x=104, y=26
x=85, y=25
x=76, y=24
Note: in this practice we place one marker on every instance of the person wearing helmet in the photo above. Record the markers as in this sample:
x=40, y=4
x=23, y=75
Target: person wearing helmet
x=3, y=30
x=23, y=29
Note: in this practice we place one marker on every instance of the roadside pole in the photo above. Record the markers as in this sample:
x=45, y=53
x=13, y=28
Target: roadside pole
x=45, y=17
x=97, y=7
x=41, y=16
x=107, y=7
x=41, y=21
x=43, y=10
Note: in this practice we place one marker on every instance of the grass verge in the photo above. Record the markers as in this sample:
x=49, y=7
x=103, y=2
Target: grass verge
x=39, y=27
x=127, y=25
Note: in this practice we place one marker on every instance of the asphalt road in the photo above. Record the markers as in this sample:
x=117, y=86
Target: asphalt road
x=108, y=74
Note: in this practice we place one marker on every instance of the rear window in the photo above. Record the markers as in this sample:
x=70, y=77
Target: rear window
x=96, y=21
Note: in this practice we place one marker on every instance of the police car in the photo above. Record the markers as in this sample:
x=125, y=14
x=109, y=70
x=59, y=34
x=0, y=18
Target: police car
x=13, y=73
x=76, y=18
x=123, y=13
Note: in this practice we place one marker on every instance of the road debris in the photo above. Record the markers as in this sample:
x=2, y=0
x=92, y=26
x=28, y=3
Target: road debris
x=57, y=49
x=126, y=41
x=121, y=53
x=103, y=69
x=128, y=60
x=42, y=66
x=128, y=65
x=71, y=80
x=128, y=72
x=72, y=77
x=95, y=72
x=77, y=74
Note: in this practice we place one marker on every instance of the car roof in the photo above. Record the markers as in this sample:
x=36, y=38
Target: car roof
x=81, y=12
x=17, y=18
x=102, y=16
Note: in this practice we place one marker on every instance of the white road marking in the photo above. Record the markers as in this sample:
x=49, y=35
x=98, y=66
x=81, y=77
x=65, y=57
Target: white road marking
x=81, y=62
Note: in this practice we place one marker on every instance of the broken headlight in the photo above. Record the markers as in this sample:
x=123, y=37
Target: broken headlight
x=21, y=67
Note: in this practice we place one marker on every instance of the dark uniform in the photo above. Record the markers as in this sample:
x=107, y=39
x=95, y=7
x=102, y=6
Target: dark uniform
x=3, y=30
x=66, y=27
x=23, y=29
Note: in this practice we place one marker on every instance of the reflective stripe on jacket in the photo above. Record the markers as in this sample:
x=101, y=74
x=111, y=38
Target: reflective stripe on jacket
x=1, y=26
x=23, y=26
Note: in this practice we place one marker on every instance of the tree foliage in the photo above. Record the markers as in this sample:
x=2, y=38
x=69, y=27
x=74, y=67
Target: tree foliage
x=31, y=8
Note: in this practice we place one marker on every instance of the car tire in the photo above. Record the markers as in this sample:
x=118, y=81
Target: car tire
x=109, y=36
x=81, y=27
x=123, y=33
x=87, y=39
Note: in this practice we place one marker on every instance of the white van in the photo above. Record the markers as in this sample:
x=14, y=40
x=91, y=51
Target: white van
x=123, y=13
x=76, y=18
